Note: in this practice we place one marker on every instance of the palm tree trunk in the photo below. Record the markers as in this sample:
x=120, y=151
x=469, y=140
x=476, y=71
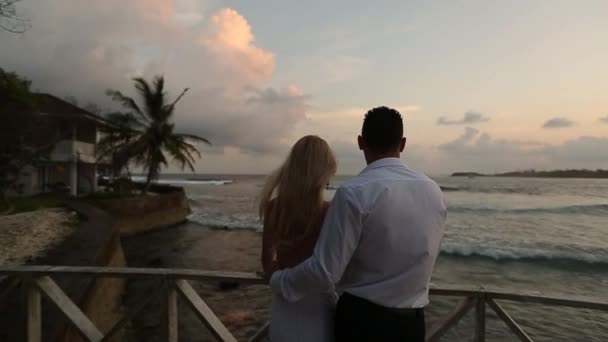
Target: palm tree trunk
x=148, y=182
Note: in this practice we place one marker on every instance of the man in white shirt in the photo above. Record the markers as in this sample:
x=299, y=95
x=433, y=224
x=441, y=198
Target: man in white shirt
x=378, y=244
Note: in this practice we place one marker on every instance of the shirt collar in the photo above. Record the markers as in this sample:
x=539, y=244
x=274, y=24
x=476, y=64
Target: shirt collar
x=383, y=163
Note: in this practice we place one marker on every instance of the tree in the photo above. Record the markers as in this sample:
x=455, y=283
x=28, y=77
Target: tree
x=156, y=139
x=122, y=129
x=93, y=108
x=24, y=141
x=71, y=99
x=9, y=19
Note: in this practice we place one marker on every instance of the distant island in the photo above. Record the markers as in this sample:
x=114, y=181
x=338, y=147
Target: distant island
x=541, y=174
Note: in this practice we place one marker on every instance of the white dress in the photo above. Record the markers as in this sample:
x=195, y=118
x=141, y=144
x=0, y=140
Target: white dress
x=310, y=319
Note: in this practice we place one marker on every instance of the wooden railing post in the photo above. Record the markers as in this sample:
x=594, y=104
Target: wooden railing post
x=480, y=318
x=172, y=322
x=453, y=317
x=34, y=321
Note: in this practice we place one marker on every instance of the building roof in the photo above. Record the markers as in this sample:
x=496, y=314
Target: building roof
x=52, y=105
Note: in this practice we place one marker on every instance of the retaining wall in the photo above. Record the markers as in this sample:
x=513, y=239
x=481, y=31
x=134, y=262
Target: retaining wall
x=146, y=213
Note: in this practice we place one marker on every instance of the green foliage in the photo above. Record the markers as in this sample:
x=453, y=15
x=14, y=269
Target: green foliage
x=24, y=141
x=13, y=90
x=22, y=204
x=558, y=174
x=573, y=173
x=116, y=137
x=155, y=140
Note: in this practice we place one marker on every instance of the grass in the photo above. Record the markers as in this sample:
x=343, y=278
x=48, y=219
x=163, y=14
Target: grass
x=23, y=204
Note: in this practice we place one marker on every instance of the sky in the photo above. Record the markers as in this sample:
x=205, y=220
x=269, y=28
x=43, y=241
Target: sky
x=485, y=86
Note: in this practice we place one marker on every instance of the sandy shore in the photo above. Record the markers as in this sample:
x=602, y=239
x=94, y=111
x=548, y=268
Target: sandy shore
x=27, y=236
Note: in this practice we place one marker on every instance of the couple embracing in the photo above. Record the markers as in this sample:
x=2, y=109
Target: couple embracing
x=358, y=268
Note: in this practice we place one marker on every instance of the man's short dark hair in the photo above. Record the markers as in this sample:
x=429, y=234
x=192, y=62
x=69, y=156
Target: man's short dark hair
x=382, y=129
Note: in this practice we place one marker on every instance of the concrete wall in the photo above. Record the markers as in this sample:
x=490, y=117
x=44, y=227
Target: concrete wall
x=103, y=302
x=141, y=214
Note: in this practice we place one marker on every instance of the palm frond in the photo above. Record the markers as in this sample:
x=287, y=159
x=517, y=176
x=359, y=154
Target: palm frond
x=153, y=96
x=126, y=102
x=194, y=138
x=171, y=107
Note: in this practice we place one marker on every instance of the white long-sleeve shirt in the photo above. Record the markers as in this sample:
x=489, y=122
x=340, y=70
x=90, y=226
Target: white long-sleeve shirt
x=379, y=241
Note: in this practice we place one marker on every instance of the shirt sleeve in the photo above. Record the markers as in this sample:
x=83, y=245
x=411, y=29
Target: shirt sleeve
x=337, y=242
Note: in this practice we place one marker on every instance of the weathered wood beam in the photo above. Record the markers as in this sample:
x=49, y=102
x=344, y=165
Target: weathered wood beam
x=480, y=319
x=172, y=333
x=203, y=312
x=451, y=319
x=134, y=272
x=86, y=328
x=262, y=333
x=455, y=292
x=521, y=334
x=572, y=301
x=34, y=319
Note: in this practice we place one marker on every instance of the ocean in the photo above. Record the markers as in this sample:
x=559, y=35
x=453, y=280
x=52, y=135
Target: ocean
x=547, y=236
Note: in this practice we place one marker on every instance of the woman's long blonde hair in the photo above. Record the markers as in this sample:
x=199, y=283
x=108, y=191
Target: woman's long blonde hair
x=296, y=189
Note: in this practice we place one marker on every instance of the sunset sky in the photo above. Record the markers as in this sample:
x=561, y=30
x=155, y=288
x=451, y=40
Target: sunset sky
x=483, y=85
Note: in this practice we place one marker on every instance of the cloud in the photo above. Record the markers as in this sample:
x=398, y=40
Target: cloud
x=344, y=68
x=558, y=123
x=604, y=119
x=469, y=118
x=477, y=151
x=259, y=121
x=101, y=45
x=229, y=38
x=408, y=108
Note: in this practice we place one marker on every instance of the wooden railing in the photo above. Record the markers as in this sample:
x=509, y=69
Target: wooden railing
x=38, y=281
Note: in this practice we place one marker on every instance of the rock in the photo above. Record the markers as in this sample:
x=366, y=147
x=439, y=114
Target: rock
x=228, y=285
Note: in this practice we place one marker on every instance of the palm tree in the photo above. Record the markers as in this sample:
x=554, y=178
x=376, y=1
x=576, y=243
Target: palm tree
x=155, y=139
x=120, y=131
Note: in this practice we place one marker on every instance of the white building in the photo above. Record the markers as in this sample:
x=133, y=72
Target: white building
x=71, y=165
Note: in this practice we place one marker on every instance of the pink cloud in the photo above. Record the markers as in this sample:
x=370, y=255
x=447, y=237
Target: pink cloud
x=230, y=39
x=214, y=54
x=293, y=90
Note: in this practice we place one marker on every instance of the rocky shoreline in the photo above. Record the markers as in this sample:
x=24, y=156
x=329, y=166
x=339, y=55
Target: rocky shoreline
x=244, y=309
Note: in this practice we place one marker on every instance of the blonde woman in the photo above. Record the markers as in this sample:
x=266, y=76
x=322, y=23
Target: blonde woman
x=292, y=209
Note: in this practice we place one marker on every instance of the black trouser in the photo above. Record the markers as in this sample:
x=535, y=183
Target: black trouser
x=358, y=319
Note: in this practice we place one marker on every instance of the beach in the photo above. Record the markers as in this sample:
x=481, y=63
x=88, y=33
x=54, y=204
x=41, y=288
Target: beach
x=30, y=235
